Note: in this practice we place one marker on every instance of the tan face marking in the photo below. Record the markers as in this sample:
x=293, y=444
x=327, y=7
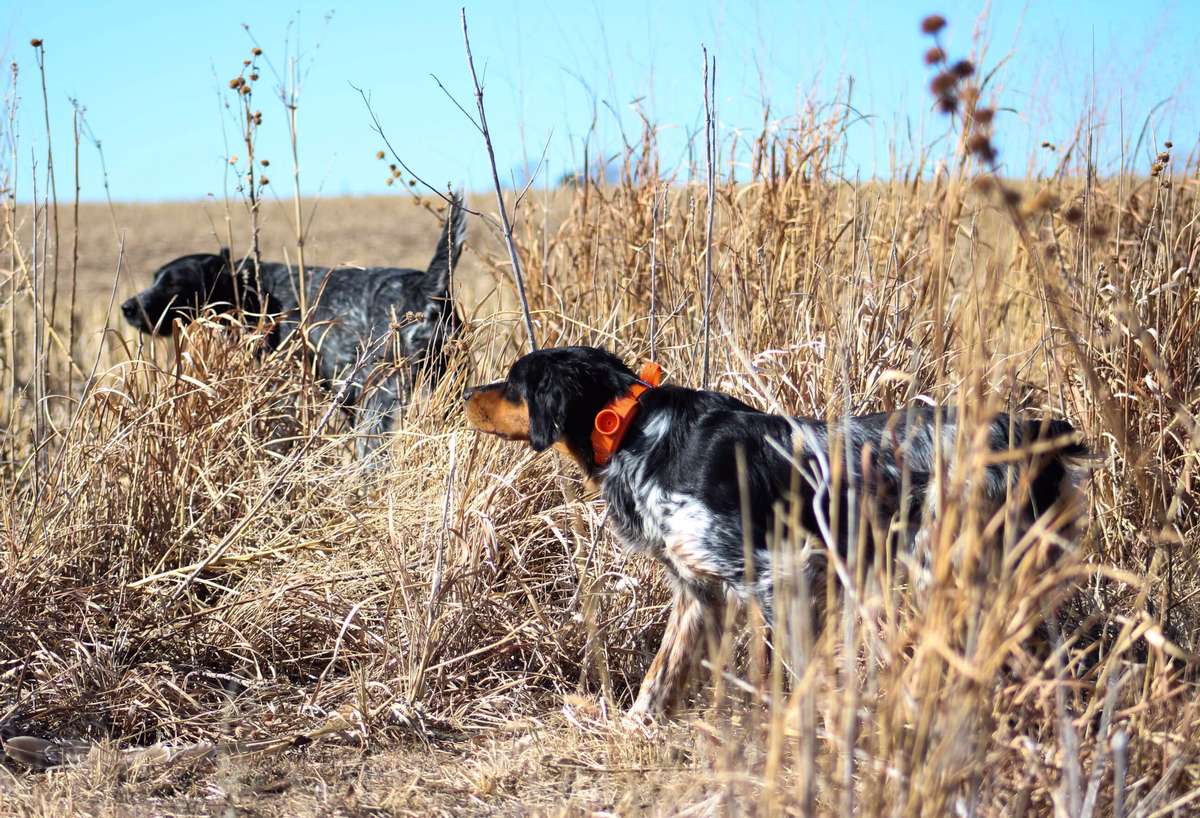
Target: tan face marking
x=489, y=410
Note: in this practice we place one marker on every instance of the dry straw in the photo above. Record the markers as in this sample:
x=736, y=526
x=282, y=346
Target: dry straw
x=178, y=573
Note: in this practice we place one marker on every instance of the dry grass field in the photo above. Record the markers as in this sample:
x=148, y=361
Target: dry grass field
x=197, y=620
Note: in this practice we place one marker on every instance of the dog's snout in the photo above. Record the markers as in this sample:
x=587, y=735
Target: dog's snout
x=471, y=391
x=130, y=308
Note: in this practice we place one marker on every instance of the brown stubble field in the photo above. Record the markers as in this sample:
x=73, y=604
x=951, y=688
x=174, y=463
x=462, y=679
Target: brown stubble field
x=200, y=621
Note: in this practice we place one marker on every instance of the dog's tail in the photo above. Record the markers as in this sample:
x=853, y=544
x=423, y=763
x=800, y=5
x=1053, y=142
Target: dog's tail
x=449, y=248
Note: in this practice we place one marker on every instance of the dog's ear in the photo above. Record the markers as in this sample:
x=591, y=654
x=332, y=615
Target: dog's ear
x=224, y=254
x=547, y=415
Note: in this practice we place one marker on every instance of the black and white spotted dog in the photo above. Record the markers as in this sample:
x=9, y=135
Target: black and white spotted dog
x=352, y=313
x=672, y=483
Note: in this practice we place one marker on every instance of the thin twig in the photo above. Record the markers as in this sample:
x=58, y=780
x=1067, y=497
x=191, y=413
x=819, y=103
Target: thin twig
x=710, y=161
x=518, y=276
x=654, y=276
x=378, y=128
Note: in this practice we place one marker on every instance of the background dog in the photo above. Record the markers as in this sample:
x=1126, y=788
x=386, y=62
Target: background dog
x=676, y=491
x=351, y=315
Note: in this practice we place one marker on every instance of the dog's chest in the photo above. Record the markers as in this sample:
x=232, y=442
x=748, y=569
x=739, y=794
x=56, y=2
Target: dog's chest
x=652, y=516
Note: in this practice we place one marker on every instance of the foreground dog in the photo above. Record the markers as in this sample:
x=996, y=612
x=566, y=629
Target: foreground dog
x=351, y=314
x=667, y=460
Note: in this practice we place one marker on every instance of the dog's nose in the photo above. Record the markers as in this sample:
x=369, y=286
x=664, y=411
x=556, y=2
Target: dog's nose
x=130, y=308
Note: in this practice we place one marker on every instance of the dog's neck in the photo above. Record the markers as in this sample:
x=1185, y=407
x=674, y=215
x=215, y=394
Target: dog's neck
x=577, y=446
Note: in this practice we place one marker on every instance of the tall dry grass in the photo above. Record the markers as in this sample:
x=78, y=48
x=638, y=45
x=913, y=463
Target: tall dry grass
x=187, y=564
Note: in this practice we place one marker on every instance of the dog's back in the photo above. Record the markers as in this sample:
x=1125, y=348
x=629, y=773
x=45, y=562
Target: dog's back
x=869, y=476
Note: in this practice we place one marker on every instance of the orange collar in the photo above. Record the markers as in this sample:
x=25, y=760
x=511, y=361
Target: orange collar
x=613, y=420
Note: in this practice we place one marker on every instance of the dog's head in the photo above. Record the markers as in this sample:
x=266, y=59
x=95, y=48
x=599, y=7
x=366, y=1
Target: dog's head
x=551, y=398
x=180, y=289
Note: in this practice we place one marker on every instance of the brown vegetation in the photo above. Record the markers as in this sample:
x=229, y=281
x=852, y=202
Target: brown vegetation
x=458, y=633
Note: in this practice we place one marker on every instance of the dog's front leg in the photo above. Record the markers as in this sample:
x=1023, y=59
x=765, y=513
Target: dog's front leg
x=697, y=612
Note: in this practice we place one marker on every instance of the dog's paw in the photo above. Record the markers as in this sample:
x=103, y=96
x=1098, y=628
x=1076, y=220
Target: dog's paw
x=642, y=718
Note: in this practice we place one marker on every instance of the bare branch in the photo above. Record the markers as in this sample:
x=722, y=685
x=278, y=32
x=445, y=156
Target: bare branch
x=710, y=161
x=518, y=276
x=457, y=104
x=379, y=130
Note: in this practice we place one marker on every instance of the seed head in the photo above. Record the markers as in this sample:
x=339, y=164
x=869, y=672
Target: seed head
x=1164, y=157
x=1048, y=145
x=963, y=69
x=36, y=42
x=266, y=163
x=942, y=84
x=245, y=89
x=933, y=24
x=253, y=77
x=1168, y=145
x=984, y=184
x=1011, y=197
x=1073, y=214
x=1099, y=232
x=379, y=154
x=389, y=181
x=983, y=116
x=947, y=104
x=245, y=62
x=1045, y=201
x=981, y=146
x=1048, y=252
x=263, y=181
x=934, y=56
x=256, y=51
x=236, y=82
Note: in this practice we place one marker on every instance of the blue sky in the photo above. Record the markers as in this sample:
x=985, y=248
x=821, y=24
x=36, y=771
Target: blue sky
x=153, y=77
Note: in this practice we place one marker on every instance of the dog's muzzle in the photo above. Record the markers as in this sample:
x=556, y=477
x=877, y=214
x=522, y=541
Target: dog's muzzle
x=131, y=309
x=472, y=391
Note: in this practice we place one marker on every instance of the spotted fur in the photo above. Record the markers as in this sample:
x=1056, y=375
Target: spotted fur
x=374, y=329
x=674, y=494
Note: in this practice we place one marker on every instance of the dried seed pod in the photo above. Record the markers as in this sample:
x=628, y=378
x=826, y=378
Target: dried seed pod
x=1045, y=201
x=943, y=84
x=963, y=69
x=933, y=24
